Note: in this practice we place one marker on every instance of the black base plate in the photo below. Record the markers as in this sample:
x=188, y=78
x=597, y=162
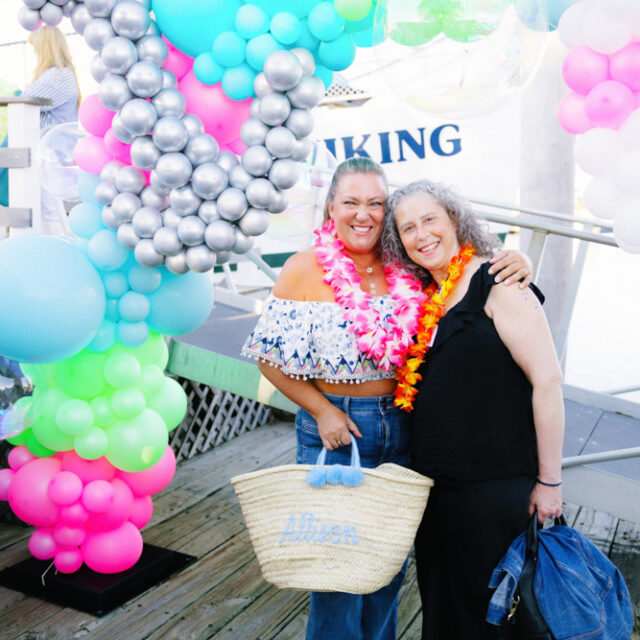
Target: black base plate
x=86, y=590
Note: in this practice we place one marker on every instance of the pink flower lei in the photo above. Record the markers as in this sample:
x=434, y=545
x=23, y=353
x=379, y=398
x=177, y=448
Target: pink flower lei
x=385, y=345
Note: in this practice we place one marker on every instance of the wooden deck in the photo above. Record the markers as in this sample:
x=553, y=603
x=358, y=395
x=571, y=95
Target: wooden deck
x=223, y=595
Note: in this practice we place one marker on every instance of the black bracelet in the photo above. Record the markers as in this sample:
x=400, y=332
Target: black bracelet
x=548, y=484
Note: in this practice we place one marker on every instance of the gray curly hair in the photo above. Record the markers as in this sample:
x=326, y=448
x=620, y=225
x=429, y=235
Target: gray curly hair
x=468, y=229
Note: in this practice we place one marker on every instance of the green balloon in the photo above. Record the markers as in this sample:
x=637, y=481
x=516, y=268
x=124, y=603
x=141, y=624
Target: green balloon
x=81, y=375
x=352, y=9
x=127, y=403
x=20, y=439
x=170, y=403
x=74, y=417
x=45, y=429
x=101, y=407
x=92, y=444
x=153, y=351
x=35, y=447
x=122, y=370
x=151, y=380
x=413, y=34
x=364, y=24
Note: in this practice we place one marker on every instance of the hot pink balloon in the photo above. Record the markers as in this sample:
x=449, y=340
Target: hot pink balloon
x=572, y=115
x=19, y=456
x=65, y=488
x=115, y=147
x=609, y=104
x=583, y=68
x=93, y=116
x=235, y=146
x=68, y=560
x=74, y=514
x=177, y=62
x=118, y=511
x=141, y=511
x=88, y=470
x=91, y=155
x=28, y=495
x=6, y=477
x=625, y=66
x=153, y=479
x=112, y=551
x=42, y=544
x=222, y=117
x=67, y=537
x=98, y=496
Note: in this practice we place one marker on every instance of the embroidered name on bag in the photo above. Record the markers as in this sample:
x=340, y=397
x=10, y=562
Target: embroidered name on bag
x=307, y=528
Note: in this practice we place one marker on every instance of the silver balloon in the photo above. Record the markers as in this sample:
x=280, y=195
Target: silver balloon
x=152, y=48
x=144, y=153
x=51, y=14
x=169, y=102
x=105, y=192
x=279, y=203
x=169, y=134
x=100, y=8
x=193, y=123
x=253, y=131
x=125, y=205
x=306, y=60
x=158, y=185
x=274, y=109
x=98, y=68
x=256, y=160
x=208, y=211
x=120, y=131
x=209, y=180
x=171, y=218
x=166, y=241
x=184, y=200
x=169, y=80
x=223, y=256
x=302, y=149
x=130, y=19
x=191, y=231
x=280, y=142
x=260, y=192
x=283, y=174
x=68, y=8
x=144, y=78
x=242, y=242
x=127, y=237
x=219, y=235
x=138, y=116
x=254, y=108
x=232, y=204
x=177, y=264
x=119, y=54
x=147, y=255
x=80, y=18
x=261, y=85
x=113, y=92
x=254, y=222
x=200, y=258
x=130, y=180
x=227, y=159
x=300, y=122
x=154, y=29
x=173, y=169
x=109, y=219
x=146, y=221
x=151, y=198
x=97, y=32
x=307, y=93
x=283, y=70
x=110, y=170
x=239, y=178
x=34, y=4
x=202, y=148
x=29, y=19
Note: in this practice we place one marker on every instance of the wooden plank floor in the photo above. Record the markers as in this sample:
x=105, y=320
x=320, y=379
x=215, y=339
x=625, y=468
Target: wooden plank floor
x=223, y=595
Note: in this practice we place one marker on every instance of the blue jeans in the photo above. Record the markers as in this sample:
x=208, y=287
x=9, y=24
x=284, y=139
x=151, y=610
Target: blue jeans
x=385, y=431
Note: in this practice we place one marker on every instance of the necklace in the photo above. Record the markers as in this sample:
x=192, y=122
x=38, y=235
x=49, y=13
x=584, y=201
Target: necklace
x=431, y=311
x=386, y=345
x=372, y=281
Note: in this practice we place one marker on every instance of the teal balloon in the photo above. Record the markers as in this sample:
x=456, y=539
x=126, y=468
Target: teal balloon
x=111, y=311
x=259, y=49
x=131, y=334
x=368, y=38
x=326, y=75
x=206, y=69
x=324, y=23
x=181, y=303
x=285, y=27
x=105, y=251
x=133, y=307
x=85, y=219
x=115, y=283
x=364, y=24
x=237, y=83
x=192, y=27
x=251, y=21
x=300, y=8
x=338, y=54
x=229, y=49
x=52, y=297
x=87, y=183
x=105, y=337
x=143, y=279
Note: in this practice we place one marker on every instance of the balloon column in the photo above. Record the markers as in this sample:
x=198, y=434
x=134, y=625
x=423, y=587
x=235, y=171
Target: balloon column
x=602, y=69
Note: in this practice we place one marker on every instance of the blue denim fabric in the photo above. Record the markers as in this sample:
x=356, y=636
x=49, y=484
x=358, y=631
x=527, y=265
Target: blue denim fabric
x=580, y=592
x=345, y=616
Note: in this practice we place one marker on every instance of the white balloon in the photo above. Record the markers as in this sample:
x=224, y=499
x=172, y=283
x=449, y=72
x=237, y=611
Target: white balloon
x=627, y=173
x=604, y=32
x=571, y=23
x=597, y=151
x=626, y=226
x=630, y=132
x=602, y=198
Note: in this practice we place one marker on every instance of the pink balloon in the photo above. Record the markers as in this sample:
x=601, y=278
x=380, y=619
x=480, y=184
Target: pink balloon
x=94, y=117
x=74, y=514
x=115, y=147
x=153, y=479
x=118, y=511
x=112, y=551
x=625, y=65
x=65, y=488
x=88, y=470
x=141, y=511
x=177, y=62
x=28, y=495
x=19, y=456
x=235, y=146
x=6, y=476
x=98, y=496
x=583, y=68
x=572, y=115
x=222, y=117
x=90, y=154
x=68, y=560
x=637, y=98
x=42, y=544
x=67, y=537
x=609, y=104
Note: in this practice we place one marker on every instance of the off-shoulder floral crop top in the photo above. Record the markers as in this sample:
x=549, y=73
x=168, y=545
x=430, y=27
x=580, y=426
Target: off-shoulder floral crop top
x=308, y=339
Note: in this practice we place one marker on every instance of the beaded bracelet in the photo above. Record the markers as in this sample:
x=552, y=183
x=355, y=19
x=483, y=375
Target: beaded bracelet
x=548, y=484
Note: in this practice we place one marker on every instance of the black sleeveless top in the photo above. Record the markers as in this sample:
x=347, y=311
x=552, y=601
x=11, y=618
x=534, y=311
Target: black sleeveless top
x=473, y=418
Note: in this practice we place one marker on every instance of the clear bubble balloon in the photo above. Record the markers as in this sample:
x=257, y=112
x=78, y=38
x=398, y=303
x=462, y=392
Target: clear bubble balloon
x=17, y=407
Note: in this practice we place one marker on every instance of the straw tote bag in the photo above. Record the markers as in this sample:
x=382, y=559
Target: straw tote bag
x=335, y=527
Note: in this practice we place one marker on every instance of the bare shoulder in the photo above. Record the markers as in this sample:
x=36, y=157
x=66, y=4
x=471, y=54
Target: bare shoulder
x=300, y=278
x=512, y=300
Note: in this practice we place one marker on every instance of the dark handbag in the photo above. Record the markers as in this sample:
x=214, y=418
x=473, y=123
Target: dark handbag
x=524, y=613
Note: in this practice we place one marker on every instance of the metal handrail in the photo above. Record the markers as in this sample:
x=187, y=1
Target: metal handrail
x=603, y=456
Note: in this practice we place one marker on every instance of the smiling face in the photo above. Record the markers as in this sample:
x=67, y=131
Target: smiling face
x=358, y=209
x=427, y=233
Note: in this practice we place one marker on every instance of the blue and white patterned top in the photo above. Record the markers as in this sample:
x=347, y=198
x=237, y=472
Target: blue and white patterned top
x=311, y=339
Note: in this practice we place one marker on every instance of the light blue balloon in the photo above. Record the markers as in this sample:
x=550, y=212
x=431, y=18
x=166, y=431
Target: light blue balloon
x=285, y=27
x=251, y=21
x=306, y=39
x=338, y=54
x=87, y=183
x=115, y=283
x=111, y=312
x=105, y=251
x=326, y=75
x=259, y=49
x=132, y=334
x=324, y=23
x=555, y=9
x=105, y=338
x=143, y=279
x=193, y=26
x=181, y=303
x=229, y=48
x=52, y=297
x=367, y=38
x=300, y=8
x=133, y=307
x=85, y=219
x=206, y=69
x=237, y=83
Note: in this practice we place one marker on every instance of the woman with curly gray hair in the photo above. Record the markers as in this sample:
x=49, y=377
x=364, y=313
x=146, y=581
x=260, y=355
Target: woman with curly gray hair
x=483, y=381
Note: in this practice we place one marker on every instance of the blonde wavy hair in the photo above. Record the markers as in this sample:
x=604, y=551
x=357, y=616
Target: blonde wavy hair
x=51, y=49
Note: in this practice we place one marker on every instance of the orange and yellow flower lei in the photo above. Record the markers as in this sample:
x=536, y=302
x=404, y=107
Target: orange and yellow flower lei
x=431, y=311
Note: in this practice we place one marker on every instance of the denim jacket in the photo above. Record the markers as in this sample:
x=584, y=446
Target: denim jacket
x=580, y=592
